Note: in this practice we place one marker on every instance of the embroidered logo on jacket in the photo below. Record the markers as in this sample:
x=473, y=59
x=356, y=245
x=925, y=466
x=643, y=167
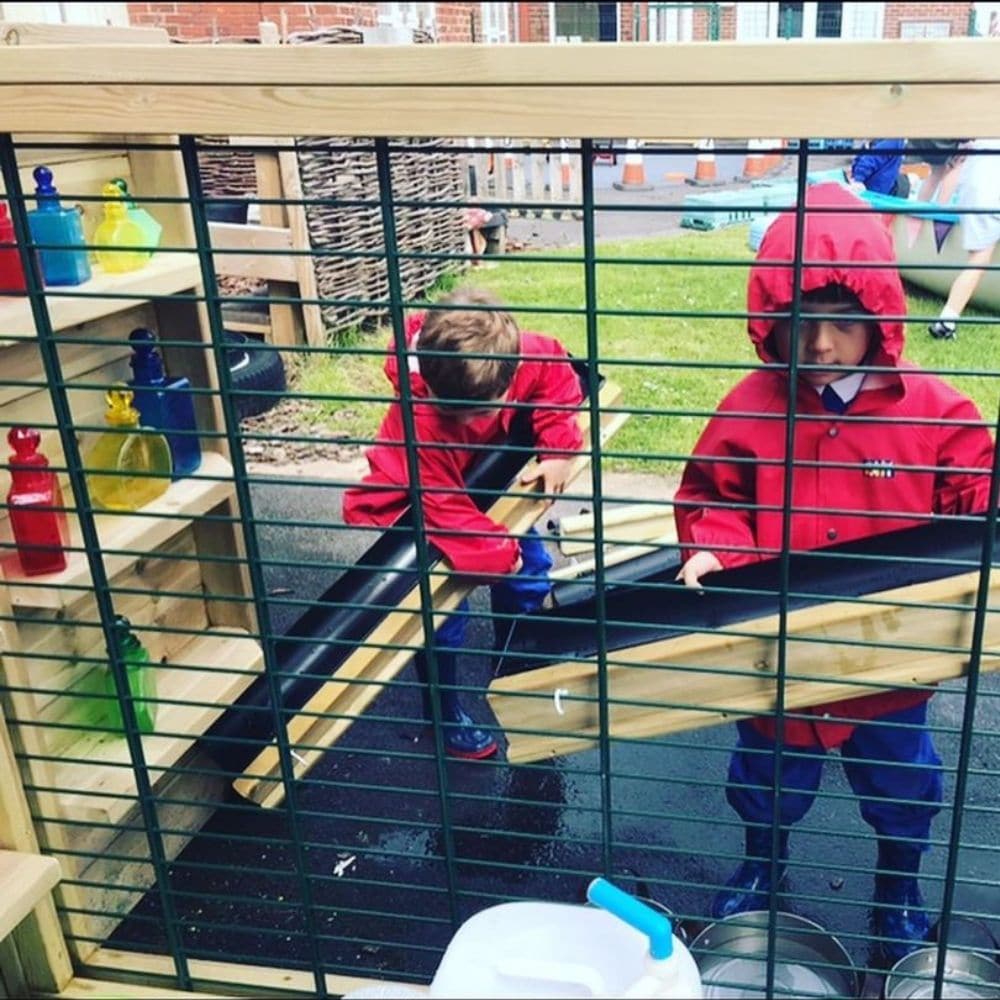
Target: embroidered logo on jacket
x=878, y=468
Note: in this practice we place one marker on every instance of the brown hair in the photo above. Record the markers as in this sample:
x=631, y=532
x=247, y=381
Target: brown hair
x=468, y=354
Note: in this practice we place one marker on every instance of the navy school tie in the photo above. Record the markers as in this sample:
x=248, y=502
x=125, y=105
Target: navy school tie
x=831, y=400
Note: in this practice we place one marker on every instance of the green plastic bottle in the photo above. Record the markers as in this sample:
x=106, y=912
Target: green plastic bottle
x=118, y=235
x=128, y=466
x=141, y=680
x=152, y=231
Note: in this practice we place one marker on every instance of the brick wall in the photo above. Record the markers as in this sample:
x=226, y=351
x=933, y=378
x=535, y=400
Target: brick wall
x=957, y=14
x=532, y=22
x=233, y=21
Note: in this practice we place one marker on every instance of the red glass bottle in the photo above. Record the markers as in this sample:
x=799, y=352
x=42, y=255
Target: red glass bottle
x=11, y=272
x=40, y=530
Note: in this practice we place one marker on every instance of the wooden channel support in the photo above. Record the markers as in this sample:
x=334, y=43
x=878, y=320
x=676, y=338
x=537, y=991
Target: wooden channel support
x=835, y=651
x=329, y=713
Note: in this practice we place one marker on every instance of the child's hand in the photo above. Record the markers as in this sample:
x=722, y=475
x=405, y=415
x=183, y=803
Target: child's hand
x=553, y=472
x=699, y=565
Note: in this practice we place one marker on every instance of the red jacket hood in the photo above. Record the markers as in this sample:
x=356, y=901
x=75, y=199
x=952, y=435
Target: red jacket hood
x=835, y=241
x=414, y=324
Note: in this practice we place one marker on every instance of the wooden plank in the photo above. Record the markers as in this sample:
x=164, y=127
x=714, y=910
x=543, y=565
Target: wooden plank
x=120, y=871
x=614, y=555
x=40, y=941
x=359, y=679
x=291, y=183
x=165, y=274
x=631, y=523
x=95, y=780
x=535, y=111
x=705, y=678
x=236, y=978
x=284, y=329
x=272, y=263
x=14, y=33
x=469, y=66
x=93, y=989
x=124, y=537
x=25, y=879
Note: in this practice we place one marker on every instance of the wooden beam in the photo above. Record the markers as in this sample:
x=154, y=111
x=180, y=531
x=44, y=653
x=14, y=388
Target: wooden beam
x=614, y=555
x=638, y=522
x=25, y=880
x=229, y=978
x=270, y=262
x=329, y=713
x=532, y=111
x=461, y=67
x=704, y=679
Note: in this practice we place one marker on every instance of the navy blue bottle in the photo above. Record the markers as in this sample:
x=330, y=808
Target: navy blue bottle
x=55, y=226
x=166, y=404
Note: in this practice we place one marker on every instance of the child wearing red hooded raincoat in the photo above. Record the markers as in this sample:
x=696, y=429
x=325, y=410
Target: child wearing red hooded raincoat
x=448, y=444
x=887, y=450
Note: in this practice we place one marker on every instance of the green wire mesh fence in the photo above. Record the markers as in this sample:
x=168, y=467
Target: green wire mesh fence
x=244, y=769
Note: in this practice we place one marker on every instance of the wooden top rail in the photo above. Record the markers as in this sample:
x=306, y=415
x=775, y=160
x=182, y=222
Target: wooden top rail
x=726, y=90
x=24, y=881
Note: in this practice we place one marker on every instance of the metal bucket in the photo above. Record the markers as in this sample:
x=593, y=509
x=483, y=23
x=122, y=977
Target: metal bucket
x=967, y=974
x=809, y=962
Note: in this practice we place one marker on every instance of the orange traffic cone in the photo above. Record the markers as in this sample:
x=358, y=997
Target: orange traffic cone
x=633, y=173
x=705, y=171
x=565, y=167
x=754, y=166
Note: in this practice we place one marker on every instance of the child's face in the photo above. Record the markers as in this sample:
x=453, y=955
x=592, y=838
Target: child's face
x=831, y=343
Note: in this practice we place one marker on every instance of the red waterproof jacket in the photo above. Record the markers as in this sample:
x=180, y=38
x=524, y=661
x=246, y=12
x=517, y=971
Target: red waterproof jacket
x=908, y=447
x=470, y=541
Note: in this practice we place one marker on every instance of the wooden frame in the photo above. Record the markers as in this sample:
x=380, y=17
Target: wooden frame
x=730, y=90
x=920, y=89
x=707, y=678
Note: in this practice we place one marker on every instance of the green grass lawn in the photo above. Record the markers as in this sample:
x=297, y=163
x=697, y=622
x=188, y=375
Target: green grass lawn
x=673, y=368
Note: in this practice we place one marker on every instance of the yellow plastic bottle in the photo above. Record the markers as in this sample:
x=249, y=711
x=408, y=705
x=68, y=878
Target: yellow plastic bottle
x=128, y=466
x=117, y=234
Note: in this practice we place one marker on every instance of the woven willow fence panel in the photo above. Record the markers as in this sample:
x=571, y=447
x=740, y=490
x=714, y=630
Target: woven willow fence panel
x=351, y=289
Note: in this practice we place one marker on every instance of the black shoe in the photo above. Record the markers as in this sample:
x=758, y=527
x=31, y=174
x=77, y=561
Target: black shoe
x=942, y=329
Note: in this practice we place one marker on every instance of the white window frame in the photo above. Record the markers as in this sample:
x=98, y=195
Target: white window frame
x=495, y=21
x=915, y=27
x=678, y=25
x=552, y=25
x=409, y=15
x=810, y=14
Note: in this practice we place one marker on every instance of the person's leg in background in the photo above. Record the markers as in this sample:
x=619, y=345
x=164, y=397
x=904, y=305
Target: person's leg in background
x=462, y=737
x=750, y=791
x=895, y=771
x=962, y=289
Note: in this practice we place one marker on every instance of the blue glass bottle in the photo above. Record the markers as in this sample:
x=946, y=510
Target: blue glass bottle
x=164, y=403
x=54, y=226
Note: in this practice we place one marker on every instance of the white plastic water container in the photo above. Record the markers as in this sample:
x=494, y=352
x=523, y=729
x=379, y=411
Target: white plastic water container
x=534, y=949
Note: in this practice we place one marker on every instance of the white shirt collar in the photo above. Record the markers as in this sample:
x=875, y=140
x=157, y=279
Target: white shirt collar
x=847, y=387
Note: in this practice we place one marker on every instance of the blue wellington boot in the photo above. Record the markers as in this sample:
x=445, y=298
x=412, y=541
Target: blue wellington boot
x=900, y=918
x=749, y=887
x=462, y=737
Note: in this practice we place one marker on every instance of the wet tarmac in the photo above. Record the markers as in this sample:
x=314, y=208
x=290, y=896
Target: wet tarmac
x=387, y=885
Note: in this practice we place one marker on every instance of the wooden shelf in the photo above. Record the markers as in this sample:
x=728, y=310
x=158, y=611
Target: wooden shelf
x=24, y=881
x=125, y=537
x=100, y=775
x=165, y=274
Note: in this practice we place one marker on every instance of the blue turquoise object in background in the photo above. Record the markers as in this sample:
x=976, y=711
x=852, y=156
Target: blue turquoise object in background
x=164, y=403
x=54, y=226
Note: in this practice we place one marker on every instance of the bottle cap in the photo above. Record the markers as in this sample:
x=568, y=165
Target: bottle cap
x=123, y=634
x=25, y=442
x=146, y=363
x=44, y=188
x=114, y=206
x=121, y=412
